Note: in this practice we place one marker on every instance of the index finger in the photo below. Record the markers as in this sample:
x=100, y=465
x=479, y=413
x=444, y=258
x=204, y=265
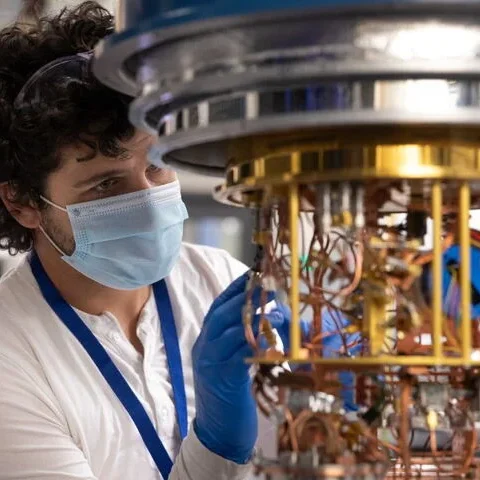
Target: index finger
x=236, y=287
x=231, y=312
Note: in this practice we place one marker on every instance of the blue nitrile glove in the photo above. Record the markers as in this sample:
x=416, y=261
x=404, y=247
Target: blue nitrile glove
x=450, y=279
x=334, y=343
x=226, y=417
x=280, y=317
x=280, y=320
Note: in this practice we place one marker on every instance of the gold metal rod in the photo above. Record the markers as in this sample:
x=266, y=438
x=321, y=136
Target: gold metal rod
x=465, y=271
x=295, y=333
x=380, y=361
x=437, y=315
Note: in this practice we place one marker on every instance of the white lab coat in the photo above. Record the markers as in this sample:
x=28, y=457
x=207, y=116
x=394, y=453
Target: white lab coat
x=59, y=419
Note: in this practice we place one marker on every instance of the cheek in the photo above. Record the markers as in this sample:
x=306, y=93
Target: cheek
x=58, y=227
x=171, y=175
x=59, y=221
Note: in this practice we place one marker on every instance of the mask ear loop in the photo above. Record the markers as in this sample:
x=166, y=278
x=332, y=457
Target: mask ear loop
x=46, y=200
x=47, y=236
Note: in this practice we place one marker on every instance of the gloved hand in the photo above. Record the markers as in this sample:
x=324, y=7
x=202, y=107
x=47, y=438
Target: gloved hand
x=226, y=412
x=334, y=343
x=280, y=319
x=450, y=279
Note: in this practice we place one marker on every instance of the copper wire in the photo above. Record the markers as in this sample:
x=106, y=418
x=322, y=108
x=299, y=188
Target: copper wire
x=405, y=397
x=467, y=461
x=356, y=255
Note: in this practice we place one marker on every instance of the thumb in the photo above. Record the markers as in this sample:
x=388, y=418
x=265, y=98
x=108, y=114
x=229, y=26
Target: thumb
x=235, y=288
x=280, y=318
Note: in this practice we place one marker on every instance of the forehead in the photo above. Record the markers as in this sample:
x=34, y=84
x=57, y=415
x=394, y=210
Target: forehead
x=82, y=156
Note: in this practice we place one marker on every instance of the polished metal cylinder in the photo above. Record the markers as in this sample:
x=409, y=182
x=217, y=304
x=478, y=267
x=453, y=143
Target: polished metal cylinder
x=209, y=73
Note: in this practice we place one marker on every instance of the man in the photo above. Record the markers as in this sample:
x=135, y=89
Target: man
x=98, y=379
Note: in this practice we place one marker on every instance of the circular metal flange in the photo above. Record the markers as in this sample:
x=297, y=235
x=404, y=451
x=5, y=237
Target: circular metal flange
x=144, y=26
x=201, y=134
x=370, y=363
x=410, y=162
x=337, y=155
x=210, y=74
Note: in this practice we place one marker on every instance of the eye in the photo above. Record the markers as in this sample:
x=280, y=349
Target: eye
x=106, y=185
x=156, y=175
x=153, y=169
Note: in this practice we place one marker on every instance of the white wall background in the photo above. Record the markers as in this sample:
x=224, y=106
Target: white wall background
x=9, y=8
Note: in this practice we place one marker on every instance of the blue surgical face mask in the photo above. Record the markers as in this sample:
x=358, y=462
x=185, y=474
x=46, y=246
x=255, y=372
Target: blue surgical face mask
x=127, y=241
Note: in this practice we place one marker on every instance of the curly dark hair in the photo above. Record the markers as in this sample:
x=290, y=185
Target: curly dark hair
x=83, y=111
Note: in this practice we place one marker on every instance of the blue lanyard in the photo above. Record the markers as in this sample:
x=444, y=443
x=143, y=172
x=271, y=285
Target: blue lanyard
x=111, y=373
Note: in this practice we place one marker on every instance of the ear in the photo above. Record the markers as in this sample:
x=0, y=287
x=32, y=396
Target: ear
x=26, y=215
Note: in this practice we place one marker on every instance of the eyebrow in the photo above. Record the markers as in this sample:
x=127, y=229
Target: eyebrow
x=122, y=154
x=99, y=177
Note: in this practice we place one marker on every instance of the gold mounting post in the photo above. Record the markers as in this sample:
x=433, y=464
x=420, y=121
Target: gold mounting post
x=465, y=267
x=437, y=315
x=294, y=211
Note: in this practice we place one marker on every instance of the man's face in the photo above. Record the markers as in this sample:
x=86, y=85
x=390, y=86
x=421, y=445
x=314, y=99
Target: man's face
x=100, y=177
